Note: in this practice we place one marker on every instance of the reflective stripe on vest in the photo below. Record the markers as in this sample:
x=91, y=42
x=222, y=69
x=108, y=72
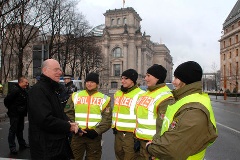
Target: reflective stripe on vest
x=172, y=109
x=123, y=117
x=88, y=108
x=147, y=112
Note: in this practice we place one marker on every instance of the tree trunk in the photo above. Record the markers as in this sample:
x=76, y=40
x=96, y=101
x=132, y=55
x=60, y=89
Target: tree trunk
x=20, y=62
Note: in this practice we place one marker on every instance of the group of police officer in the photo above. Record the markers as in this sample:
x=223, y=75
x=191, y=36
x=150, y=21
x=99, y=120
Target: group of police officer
x=153, y=124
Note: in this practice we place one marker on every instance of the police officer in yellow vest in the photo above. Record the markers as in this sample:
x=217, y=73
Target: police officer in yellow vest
x=151, y=107
x=189, y=125
x=91, y=110
x=124, y=118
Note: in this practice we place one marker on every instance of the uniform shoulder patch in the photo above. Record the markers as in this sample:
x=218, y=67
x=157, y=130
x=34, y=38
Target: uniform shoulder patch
x=162, y=116
x=174, y=124
x=107, y=110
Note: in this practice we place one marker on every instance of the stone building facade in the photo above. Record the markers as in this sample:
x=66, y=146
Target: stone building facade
x=125, y=46
x=229, y=50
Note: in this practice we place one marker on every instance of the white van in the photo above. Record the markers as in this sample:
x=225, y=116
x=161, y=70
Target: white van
x=77, y=83
x=170, y=85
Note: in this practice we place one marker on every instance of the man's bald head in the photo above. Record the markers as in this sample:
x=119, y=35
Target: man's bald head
x=48, y=62
x=51, y=68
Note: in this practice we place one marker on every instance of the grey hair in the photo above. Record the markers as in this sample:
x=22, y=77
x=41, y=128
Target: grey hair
x=44, y=64
x=20, y=79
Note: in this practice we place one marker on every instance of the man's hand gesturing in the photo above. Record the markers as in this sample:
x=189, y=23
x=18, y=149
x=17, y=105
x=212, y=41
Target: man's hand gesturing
x=74, y=127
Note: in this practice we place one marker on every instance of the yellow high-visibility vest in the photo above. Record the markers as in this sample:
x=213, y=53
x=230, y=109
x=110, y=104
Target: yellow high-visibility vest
x=88, y=108
x=146, y=111
x=123, y=117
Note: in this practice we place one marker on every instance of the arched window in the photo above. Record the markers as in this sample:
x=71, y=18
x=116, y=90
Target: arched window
x=117, y=52
x=124, y=20
x=118, y=21
x=112, y=22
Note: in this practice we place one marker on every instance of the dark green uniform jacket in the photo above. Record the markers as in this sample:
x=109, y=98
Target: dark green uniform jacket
x=190, y=132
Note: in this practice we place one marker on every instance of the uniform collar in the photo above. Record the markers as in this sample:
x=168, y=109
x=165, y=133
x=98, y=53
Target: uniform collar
x=157, y=86
x=186, y=90
x=128, y=89
x=91, y=92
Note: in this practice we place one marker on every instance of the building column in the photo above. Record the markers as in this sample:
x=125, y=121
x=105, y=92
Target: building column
x=106, y=72
x=139, y=67
x=125, y=57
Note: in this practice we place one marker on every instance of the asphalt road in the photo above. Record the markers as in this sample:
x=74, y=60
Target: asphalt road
x=107, y=143
x=226, y=147
x=4, y=150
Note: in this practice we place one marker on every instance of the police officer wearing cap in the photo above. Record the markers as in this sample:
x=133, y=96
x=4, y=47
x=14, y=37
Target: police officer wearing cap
x=189, y=126
x=124, y=118
x=69, y=84
x=66, y=90
x=91, y=110
x=151, y=107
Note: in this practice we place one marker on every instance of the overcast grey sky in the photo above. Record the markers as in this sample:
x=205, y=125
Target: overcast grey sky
x=189, y=28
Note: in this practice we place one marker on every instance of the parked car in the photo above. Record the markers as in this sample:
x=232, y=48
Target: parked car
x=170, y=85
x=143, y=87
x=11, y=85
x=1, y=88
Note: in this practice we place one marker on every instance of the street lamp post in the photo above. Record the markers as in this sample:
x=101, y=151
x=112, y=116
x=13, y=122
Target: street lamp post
x=225, y=87
x=216, y=90
x=236, y=88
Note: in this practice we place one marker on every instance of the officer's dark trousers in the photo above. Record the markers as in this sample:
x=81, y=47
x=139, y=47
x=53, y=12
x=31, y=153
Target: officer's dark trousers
x=144, y=155
x=92, y=147
x=16, y=129
x=124, y=146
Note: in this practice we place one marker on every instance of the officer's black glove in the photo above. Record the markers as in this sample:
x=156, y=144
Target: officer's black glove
x=79, y=131
x=91, y=133
x=136, y=145
x=114, y=130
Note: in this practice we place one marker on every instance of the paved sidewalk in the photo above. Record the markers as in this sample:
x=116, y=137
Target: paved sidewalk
x=3, y=110
x=231, y=100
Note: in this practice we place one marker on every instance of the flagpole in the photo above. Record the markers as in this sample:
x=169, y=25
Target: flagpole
x=123, y=3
